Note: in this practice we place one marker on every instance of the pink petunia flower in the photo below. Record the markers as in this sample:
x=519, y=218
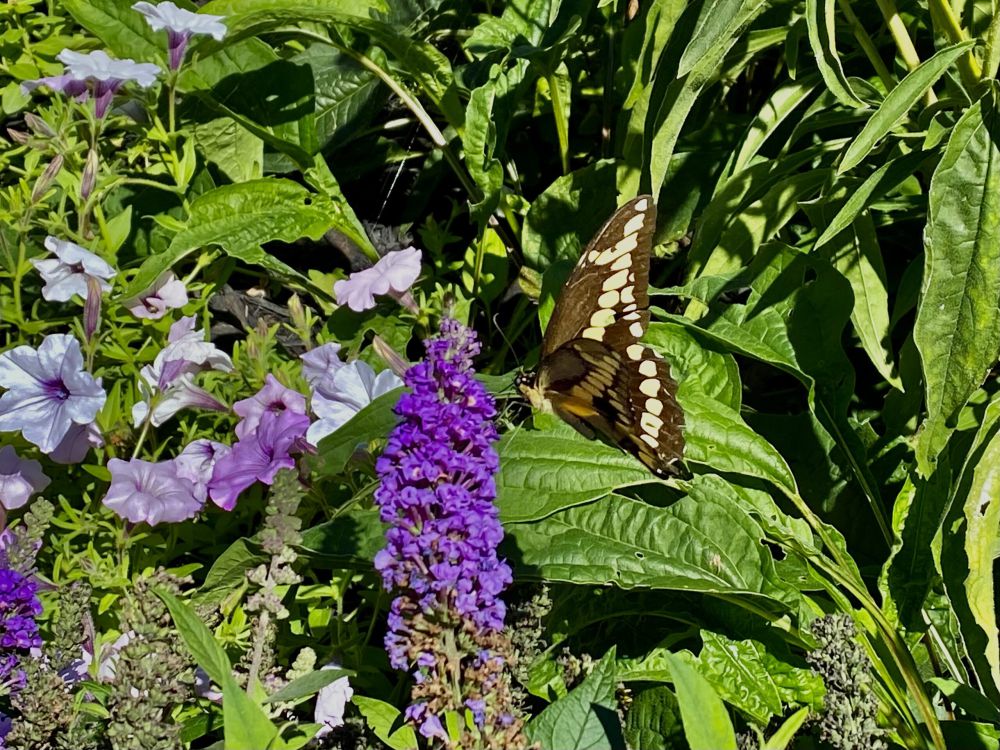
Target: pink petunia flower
x=95, y=74
x=145, y=492
x=168, y=293
x=394, y=274
x=180, y=25
x=273, y=397
x=20, y=478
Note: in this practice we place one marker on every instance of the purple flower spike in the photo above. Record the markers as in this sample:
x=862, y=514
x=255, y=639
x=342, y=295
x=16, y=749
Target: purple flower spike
x=180, y=25
x=273, y=397
x=394, y=274
x=19, y=606
x=259, y=456
x=147, y=492
x=168, y=293
x=20, y=478
x=48, y=391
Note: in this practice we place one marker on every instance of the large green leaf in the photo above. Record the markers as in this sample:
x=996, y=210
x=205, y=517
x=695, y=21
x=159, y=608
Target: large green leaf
x=544, y=471
x=351, y=537
x=381, y=718
x=957, y=329
x=239, y=219
x=246, y=724
x=704, y=542
x=124, y=31
x=714, y=373
x=898, y=102
x=653, y=722
x=706, y=721
x=759, y=682
x=585, y=719
x=716, y=436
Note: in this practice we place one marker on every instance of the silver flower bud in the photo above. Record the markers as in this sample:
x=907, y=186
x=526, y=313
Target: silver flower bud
x=44, y=182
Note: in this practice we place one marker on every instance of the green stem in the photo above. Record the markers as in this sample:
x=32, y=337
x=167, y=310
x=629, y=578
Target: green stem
x=870, y=50
x=899, y=33
x=145, y=430
x=943, y=16
x=562, y=131
x=171, y=107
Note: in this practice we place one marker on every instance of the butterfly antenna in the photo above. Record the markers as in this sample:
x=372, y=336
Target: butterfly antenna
x=510, y=344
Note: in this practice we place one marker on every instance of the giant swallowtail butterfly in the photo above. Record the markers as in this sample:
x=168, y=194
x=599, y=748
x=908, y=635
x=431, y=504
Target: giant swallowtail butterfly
x=593, y=372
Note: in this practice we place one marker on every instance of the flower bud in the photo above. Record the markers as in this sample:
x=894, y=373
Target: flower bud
x=89, y=177
x=396, y=363
x=21, y=139
x=39, y=125
x=44, y=182
x=92, y=308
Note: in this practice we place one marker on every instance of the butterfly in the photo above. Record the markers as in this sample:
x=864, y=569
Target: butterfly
x=593, y=371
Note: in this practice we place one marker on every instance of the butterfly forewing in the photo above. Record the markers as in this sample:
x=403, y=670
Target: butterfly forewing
x=594, y=373
x=605, y=298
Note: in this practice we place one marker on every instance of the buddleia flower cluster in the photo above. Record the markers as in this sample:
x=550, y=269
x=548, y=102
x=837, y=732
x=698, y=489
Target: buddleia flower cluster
x=436, y=492
x=850, y=707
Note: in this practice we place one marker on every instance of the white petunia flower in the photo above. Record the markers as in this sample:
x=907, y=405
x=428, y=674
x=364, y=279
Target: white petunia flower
x=66, y=274
x=352, y=388
x=180, y=25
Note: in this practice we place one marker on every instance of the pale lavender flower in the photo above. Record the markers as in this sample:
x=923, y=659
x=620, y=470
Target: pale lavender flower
x=48, y=391
x=180, y=25
x=67, y=274
x=168, y=293
x=320, y=364
x=350, y=389
x=196, y=462
x=394, y=274
x=20, y=478
x=96, y=74
x=331, y=701
x=167, y=386
x=203, y=687
x=273, y=397
x=142, y=491
x=78, y=441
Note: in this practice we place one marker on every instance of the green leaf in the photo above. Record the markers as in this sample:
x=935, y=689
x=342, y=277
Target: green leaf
x=381, y=718
x=479, y=146
x=716, y=436
x=756, y=681
x=782, y=738
x=898, y=102
x=714, y=26
x=653, y=722
x=586, y=718
x=567, y=214
x=124, y=31
x=875, y=187
x=246, y=725
x=714, y=373
x=957, y=329
x=544, y=471
x=351, y=538
x=228, y=572
x=239, y=219
x=373, y=422
x=307, y=684
x=232, y=148
x=630, y=544
x=706, y=722
x=823, y=40
x=982, y=534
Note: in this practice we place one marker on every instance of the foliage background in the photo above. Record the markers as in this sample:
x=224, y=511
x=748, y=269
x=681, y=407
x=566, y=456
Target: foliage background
x=827, y=294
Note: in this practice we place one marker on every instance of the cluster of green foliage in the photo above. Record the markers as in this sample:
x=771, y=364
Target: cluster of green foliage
x=827, y=275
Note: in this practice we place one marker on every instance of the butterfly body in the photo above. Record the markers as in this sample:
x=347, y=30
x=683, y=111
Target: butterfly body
x=594, y=373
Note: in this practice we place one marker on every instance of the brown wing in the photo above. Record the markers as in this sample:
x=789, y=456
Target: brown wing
x=605, y=298
x=628, y=398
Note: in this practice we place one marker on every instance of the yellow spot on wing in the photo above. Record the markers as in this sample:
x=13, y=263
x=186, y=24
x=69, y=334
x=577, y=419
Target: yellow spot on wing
x=648, y=368
x=635, y=223
x=615, y=281
x=602, y=318
x=650, y=386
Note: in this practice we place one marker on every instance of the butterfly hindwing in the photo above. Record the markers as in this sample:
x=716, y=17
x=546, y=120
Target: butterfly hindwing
x=605, y=298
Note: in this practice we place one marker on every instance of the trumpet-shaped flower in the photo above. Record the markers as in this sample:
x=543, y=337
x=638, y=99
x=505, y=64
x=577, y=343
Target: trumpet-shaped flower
x=48, y=391
x=78, y=441
x=142, y=491
x=20, y=478
x=168, y=293
x=331, y=701
x=320, y=364
x=394, y=274
x=273, y=397
x=259, y=456
x=196, y=463
x=167, y=386
x=67, y=274
x=98, y=75
x=350, y=389
x=180, y=25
